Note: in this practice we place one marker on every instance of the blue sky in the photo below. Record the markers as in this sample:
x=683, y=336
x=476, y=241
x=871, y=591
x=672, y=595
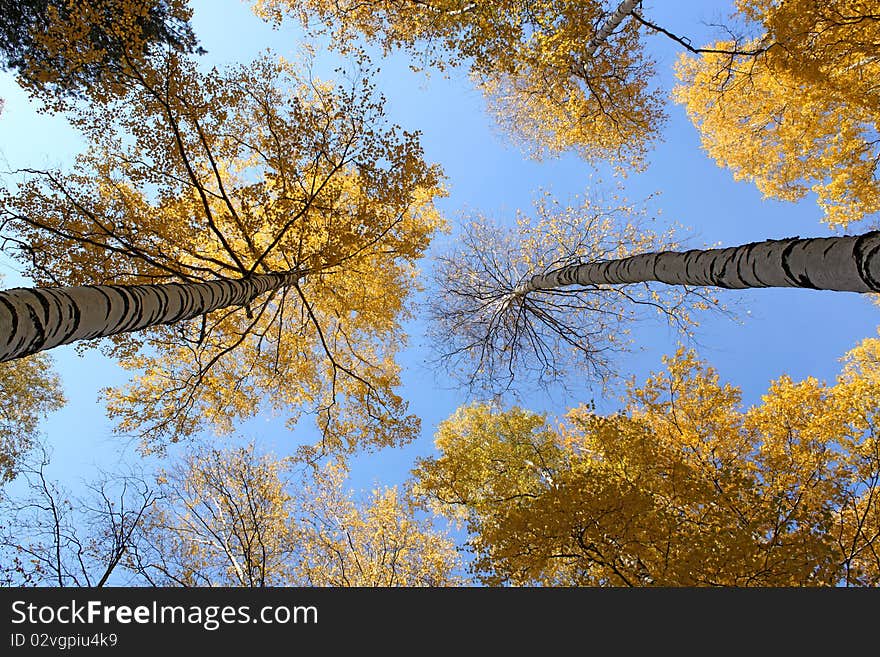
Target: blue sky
x=799, y=332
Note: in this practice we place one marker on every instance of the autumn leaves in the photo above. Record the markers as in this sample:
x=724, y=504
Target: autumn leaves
x=801, y=117
x=682, y=487
x=262, y=172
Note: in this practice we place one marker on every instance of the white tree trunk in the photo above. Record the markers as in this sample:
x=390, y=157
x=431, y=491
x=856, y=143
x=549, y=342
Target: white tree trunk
x=41, y=318
x=847, y=264
x=623, y=10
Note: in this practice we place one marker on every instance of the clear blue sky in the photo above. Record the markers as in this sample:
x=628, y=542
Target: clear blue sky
x=799, y=332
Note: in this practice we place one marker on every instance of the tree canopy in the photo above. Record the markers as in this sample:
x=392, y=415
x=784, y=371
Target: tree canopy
x=62, y=49
x=247, y=239
x=800, y=112
x=787, y=100
x=235, y=517
x=547, y=81
x=683, y=487
x=229, y=516
x=222, y=175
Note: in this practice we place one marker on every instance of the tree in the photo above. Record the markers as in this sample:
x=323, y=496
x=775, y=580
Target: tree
x=377, y=541
x=67, y=49
x=558, y=74
x=225, y=520
x=681, y=488
x=41, y=318
x=792, y=106
x=263, y=178
x=799, y=113
x=561, y=290
x=233, y=517
x=49, y=537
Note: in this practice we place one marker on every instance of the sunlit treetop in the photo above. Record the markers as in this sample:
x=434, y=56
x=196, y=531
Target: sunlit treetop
x=236, y=517
x=223, y=518
x=534, y=60
x=801, y=113
x=260, y=168
x=683, y=487
x=67, y=49
x=378, y=539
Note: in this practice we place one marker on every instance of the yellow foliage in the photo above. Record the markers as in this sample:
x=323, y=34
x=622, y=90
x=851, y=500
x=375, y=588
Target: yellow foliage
x=803, y=115
x=257, y=169
x=89, y=47
x=234, y=518
x=682, y=488
x=29, y=389
x=377, y=542
x=528, y=57
x=223, y=519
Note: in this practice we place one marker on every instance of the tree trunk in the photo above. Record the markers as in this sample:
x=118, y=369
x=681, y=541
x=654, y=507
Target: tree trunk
x=623, y=10
x=846, y=264
x=41, y=318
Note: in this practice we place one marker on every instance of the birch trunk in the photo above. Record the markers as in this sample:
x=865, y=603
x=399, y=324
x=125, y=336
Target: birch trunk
x=623, y=10
x=846, y=264
x=41, y=318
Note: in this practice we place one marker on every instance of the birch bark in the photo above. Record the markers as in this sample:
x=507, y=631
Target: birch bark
x=847, y=264
x=33, y=319
x=623, y=10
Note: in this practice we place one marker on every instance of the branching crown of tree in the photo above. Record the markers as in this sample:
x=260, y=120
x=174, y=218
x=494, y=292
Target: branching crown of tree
x=489, y=336
x=225, y=175
x=234, y=517
x=803, y=114
x=682, y=488
x=547, y=80
x=51, y=537
x=68, y=49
